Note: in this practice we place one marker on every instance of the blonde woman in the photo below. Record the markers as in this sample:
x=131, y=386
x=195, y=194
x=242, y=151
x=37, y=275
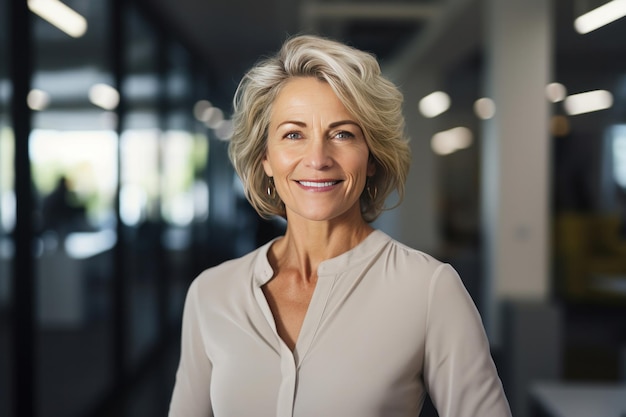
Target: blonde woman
x=334, y=318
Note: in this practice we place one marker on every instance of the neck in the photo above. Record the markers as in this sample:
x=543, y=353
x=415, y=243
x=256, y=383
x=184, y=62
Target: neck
x=306, y=244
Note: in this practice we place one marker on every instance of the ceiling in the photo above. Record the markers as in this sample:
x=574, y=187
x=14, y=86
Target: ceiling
x=231, y=35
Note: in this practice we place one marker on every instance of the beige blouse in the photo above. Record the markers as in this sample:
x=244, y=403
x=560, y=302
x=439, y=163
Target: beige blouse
x=386, y=324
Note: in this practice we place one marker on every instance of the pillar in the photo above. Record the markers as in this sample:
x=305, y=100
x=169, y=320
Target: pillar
x=515, y=194
x=515, y=152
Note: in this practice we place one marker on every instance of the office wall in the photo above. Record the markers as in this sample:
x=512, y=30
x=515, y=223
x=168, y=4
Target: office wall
x=120, y=193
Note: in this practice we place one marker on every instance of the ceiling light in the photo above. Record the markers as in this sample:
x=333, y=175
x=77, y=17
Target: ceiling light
x=37, y=99
x=449, y=141
x=556, y=92
x=104, y=96
x=224, y=130
x=587, y=102
x=434, y=104
x=600, y=16
x=484, y=108
x=213, y=116
x=59, y=15
x=200, y=109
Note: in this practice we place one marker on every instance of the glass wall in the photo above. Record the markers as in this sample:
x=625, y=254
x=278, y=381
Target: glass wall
x=120, y=180
x=162, y=196
x=140, y=186
x=7, y=217
x=184, y=158
x=73, y=154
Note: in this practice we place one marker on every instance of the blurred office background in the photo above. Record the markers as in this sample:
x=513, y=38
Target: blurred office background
x=116, y=190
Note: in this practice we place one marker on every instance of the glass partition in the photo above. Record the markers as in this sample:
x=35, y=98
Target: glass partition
x=141, y=193
x=183, y=157
x=73, y=152
x=7, y=219
x=90, y=144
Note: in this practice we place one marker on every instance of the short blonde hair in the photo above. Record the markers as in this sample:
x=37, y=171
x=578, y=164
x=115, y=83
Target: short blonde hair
x=356, y=78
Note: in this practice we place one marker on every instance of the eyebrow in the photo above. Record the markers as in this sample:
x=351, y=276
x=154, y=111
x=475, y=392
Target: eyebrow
x=344, y=122
x=331, y=126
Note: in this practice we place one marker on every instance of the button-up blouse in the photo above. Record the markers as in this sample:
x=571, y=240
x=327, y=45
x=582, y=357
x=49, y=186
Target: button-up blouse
x=386, y=325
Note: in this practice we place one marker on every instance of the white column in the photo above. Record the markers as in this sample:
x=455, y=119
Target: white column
x=515, y=154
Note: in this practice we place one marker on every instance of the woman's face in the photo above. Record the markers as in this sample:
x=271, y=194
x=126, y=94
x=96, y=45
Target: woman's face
x=316, y=153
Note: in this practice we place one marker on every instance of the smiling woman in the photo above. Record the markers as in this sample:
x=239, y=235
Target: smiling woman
x=372, y=102
x=316, y=154
x=319, y=139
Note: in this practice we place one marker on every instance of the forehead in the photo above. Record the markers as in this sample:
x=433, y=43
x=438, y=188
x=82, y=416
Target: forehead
x=303, y=94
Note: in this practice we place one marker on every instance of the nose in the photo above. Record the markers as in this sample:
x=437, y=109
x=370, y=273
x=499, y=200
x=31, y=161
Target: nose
x=318, y=153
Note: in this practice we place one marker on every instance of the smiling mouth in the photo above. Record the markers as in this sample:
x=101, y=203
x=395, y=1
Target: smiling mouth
x=318, y=184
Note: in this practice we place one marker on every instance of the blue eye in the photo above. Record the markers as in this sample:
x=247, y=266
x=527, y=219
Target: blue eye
x=293, y=135
x=344, y=135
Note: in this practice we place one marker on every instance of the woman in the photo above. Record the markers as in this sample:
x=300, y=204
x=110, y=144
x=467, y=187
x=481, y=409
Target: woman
x=334, y=318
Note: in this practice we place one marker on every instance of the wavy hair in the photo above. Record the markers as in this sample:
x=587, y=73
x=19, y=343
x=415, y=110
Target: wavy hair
x=356, y=79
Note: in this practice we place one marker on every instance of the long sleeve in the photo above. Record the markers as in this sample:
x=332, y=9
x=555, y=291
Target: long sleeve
x=458, y=368
x=191, y=396
x=385, y=320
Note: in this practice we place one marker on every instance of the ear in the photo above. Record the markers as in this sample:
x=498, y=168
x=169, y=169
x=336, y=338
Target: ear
x=267, y=167
x=371, y=166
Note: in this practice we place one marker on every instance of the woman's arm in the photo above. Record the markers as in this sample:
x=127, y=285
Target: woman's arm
x=459, y=372
x=191, y=396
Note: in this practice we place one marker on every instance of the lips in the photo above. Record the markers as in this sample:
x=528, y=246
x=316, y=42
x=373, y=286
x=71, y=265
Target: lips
x=317, y=184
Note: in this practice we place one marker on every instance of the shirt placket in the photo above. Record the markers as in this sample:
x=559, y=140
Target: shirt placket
x=290, y=361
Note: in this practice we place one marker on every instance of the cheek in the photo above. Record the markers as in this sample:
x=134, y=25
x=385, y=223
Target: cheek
x=280, y=162
x=361, y=169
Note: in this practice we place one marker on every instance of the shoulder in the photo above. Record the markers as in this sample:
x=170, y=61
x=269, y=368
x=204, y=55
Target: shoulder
x=230, y=275
x=397, y=255
x=414, y=270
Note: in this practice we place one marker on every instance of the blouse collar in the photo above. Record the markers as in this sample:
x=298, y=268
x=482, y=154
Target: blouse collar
x=365, y=250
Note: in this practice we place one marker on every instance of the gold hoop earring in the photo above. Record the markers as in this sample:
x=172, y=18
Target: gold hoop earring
x=372, y=193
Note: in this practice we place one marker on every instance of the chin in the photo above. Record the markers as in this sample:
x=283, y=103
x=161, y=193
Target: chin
x=323, y=214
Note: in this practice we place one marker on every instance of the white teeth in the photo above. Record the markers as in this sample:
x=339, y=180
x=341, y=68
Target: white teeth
x=318, y=184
